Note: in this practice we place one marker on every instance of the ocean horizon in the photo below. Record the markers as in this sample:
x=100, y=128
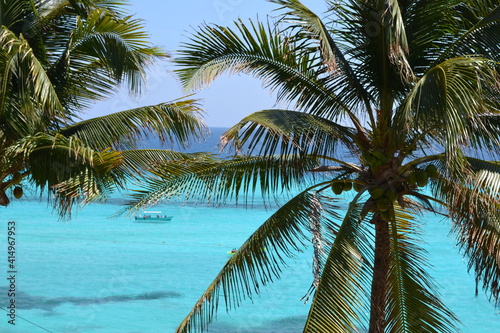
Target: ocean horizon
x=102, y=274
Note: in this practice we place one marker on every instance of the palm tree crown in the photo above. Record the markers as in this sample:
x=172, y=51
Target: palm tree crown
x=411, y=90
x=56, y=59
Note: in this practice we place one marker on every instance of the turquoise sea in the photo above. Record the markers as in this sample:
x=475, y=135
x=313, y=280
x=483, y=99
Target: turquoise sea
x=96, y=274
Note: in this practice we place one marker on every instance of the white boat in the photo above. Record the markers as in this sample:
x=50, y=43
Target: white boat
x=152, y=217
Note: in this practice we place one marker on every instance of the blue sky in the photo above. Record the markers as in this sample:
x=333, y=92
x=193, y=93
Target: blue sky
x=168, y=22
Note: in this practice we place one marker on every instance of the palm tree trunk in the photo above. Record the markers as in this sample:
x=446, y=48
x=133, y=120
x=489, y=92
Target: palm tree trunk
x=380, y=273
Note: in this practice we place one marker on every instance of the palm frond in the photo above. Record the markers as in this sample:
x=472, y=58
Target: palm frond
x=101, y=51
x=259, y=260
x=340, y=296
x=177, y=122
x=285, y=132
x=138, y=162
x=474, y=208
x=217, y=180
x=451, y=96
x=412, y=302
x=300, y=15
x=68, y=169
x=311, y=25
x=32, y=98
x=481, y=22
x=260, y=51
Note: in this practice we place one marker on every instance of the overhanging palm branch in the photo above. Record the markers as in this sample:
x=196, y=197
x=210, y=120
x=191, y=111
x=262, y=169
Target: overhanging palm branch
x=341, y=292
x=175, y=122
x=217, y=180
x=68, y=168
x=474, y=206
x=260, y=259
x=414, y=305
x=139, y=162
x=288, y=132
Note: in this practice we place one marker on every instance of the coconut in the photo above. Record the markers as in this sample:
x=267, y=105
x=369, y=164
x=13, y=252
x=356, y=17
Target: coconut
x=422, y=178
x=338, y=187
x=432, y=171
x=386, y=215
x=411, y=178
x=357, y=186
x=376, y=192
x=18, y=192
x=391, y=195
x=347, y=186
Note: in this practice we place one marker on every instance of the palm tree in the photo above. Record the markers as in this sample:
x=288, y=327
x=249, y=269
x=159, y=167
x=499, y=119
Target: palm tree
x=394, y=103
x=56, y=59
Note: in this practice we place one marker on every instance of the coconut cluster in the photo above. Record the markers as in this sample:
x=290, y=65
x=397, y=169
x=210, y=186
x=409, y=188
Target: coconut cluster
x=384, y=195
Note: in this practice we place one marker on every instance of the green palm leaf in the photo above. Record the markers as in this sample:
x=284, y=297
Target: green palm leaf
x=451, y=96
x=259, y=260
x=268, y=132
x=37, y=99
x=339, y=298
x=174, y=122
x=413, y=306
x=68, y=168
x=475, y=208
x=138, y=162
x=482, y=24
x=217, y=180
x=269, y=56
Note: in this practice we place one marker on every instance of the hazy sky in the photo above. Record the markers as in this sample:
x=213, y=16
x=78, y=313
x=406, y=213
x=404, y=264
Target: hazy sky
x=168, y=22
x=227, y=100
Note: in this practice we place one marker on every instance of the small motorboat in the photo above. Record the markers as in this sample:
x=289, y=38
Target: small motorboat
x=152, y=217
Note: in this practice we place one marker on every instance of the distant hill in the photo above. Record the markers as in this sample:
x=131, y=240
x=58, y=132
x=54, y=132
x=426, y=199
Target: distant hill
x=211, y=144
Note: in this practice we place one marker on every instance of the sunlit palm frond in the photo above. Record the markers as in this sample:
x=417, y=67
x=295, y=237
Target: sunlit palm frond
x=412, y=302
x=451, y=96
x=259, y=261
x=481, y=22
x=177, y=122
x=216, y=180
x=374, y=35
x=138, y=162
x=68, y=169
x=340, y=297
x=298, y=14
x=102, y=50
x=346, y=83
x=487, y=176
x=258, y=50
x=285, y=132
x=25, y=85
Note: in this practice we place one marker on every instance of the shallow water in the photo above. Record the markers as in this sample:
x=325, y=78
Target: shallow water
x=100, y=275
x=95, y=274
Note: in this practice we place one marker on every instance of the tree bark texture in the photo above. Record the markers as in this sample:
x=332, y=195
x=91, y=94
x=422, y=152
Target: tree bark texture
x=380, y=274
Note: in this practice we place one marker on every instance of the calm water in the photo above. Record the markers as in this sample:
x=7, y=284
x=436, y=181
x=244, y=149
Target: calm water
x=100, y=275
